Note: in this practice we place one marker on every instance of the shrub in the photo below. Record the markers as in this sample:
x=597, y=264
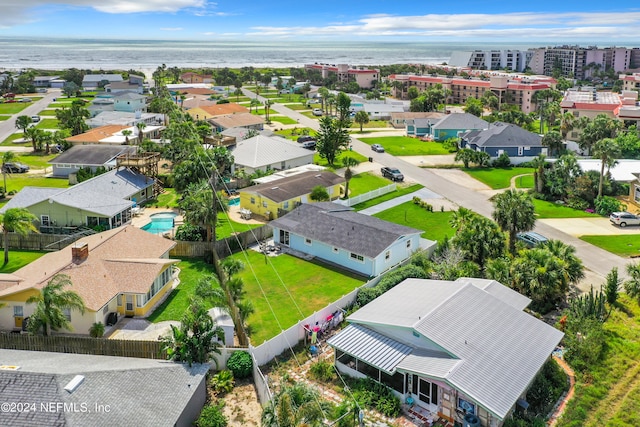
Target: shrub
x=373, y=394
x=212, y=416
x=222, y=382
x=416, y=200
x=97, y=330
x=322, y=371
x=389, y=280
x=502, y=161
x=190, y=233
x=606, y=205
x=240, y=364
x=585, y=342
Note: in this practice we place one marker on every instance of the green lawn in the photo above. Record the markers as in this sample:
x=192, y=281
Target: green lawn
x=284, y=120
x=434, y=224
x=400, y=191
x=364, y=182
x=498, y=178
x=227, y=227
x=37, y=160
x=406, y=146
x=48, y=124
x=18, y=259
x=13, y=137
x=338, y=164
x=355, y=127
x=3, y=118
x=294, y=133
x=609, y=393
x=13, y=107
x=297, y=107
x=168, y=199
x=624, y=245
x=525, y=181
x=16, y=181
x=47, y=113
x=191, y=270
x=311, y=285
x=546, y=209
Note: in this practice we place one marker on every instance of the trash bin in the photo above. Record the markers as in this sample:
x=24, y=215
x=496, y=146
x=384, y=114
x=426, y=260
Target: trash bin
x=370, y=159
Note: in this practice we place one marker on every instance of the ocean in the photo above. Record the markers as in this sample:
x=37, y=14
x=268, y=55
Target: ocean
x=95, y=54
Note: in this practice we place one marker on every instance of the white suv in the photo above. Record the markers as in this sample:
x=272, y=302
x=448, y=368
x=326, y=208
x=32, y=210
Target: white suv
x=624, y=218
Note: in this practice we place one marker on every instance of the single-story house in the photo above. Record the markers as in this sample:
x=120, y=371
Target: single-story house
x=519, y=144
x=449, y=126
x=275, y=198
x=381, y=111
x=269, y=153
x=135, y=84
x=399, y=120
x=113, y=135
x=44, y=81
x=634, y=190
x=90, y=156
x=239, y=120
x=205, y=112
x=93, y=81
x=100, y=104
x=454, y=348
x=113, y=391
x=125, y=270
x=103, y=201
x=341, y=236
x=126, y=119
x=196, y=78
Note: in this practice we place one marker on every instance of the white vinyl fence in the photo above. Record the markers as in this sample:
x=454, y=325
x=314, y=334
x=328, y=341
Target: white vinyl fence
x=367, y=196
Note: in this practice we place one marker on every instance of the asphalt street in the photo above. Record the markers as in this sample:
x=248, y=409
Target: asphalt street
x=8, y=127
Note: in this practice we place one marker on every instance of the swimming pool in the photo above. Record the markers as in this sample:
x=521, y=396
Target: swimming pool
x=160, y=222
x=234, y=202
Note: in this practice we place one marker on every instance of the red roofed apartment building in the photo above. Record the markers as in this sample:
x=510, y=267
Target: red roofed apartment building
x=516, y=90
x=365, y=78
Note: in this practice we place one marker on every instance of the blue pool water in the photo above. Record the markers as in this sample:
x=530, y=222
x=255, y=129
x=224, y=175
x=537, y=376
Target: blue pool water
x=160, y=223
x=234, y=202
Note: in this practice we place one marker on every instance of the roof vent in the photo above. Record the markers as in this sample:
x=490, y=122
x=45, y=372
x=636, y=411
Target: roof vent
x=274, y=188
x=74, y=383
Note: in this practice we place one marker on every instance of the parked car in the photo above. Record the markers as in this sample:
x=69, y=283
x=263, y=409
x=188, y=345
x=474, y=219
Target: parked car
x=14, y=167
x=377, y=148
x=317, y=111
x=309, y=145
x=305, y=138
x=25, y=99
x=531, y=238
x=393, y=174
x=624, y=218
x=35, y=119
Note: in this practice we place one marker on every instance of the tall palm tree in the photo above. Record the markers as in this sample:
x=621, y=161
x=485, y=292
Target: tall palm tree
x=127, y=133
x=632, y=286
x=607, y=150
x=567, y=123
x=514, y=212
x=197, y=204
x=295, y=405
x=553, y=141
x=140, y=126
x=17, y=220
x=348, y=162
x=50, y=304
x=538, y=176
x=572, y=266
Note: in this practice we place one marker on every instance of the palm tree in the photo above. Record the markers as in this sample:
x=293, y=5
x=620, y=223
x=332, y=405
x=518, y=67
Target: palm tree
x=553, y=141
x=348, y=162
x=23, y=122
x=567, y=123
x=17, y=220
x=127, y=133
x=50, y=305
x=361, y=118
x=572, y=266
x=140, y=126
x=7, y=157
x=197, y=204
x=608, y=150
x=632, y=286
x=514, y=212
x=293, y=405
x=538, y=176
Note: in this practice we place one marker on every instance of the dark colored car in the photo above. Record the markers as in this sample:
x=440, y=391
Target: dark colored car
x=305, y=138
x=377, y=148
x=393, y=174
x=309, y=145
x=15, y=168
x=531, y=238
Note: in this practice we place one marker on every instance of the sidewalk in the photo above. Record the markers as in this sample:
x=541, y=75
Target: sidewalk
x=424, y=193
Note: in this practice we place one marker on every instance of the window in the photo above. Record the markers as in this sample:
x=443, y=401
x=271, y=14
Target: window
x=285, y=205
x=105, y=309
x=141, y=300
x=387, y=255
x=425, y=390
x=253, y=201
x=67, y=313
x=520, y=151
x=408, y=244
x=17, y=311
x=284, y=237
x=264, y=204
x=307, y=241
x=119, y=300
x=466, y=406
x=357, y=257
x=45, y=221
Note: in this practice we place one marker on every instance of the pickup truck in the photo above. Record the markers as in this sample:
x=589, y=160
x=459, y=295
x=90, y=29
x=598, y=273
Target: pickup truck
x=393, y=174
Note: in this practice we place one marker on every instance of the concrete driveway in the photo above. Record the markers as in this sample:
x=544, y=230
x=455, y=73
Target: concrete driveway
x=588, y=226
x=141, y=329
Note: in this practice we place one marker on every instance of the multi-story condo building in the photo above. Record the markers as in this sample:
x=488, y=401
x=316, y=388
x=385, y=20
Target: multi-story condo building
x=345, y=73
x=630, y=81
x=515, y=60
x=511, y=89
x=580, y=62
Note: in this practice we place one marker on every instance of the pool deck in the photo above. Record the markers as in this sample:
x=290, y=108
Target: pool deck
x=145, y=217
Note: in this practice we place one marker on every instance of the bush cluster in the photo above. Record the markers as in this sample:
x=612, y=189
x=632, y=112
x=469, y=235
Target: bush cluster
x=418, y=201
x=240, y=364
x=389, y=280
x=190, y=233
x=372, y=394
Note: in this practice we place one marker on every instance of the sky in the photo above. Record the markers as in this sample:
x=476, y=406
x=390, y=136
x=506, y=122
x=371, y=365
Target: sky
x=566, y=21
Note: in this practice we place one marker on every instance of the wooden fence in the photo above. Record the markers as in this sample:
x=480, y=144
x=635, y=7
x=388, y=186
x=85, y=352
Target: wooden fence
x=83, y=345
x=40, y=242
x=224, y=247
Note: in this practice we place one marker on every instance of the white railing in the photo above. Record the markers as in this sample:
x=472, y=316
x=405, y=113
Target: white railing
x=367, y=196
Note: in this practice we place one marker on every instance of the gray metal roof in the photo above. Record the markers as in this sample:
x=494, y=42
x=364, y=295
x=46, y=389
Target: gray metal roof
x=295, y=185
x=131, y=387
x=500, y=347
x=500, y=134
x=261, y=151
x=371, y=347
x=91, y=154
x=97, y=78
x=343, y=228
x=29, y=196
x=460, y=121
x=500, y=291
x=431, y=363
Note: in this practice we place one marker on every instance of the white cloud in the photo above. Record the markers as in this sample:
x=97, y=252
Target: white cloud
x=172, y=29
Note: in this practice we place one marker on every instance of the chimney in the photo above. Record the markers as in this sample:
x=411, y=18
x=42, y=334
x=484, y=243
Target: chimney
x=79, y=252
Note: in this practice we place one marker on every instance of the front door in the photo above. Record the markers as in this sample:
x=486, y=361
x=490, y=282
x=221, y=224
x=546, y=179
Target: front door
x=18, y=316
x=128, y=309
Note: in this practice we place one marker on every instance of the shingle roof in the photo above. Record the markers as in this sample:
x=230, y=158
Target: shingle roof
x=500, y=134
x=91, y=154
x=132, y=388
x=97, y=134
x=294, y=186
x=260, y=151
x=500, y=347
x=221, y=109
x=104, y=194
x=124, y=259
x=460, y=121
x=97, y=78
x=343, y=228
x=236, y=120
